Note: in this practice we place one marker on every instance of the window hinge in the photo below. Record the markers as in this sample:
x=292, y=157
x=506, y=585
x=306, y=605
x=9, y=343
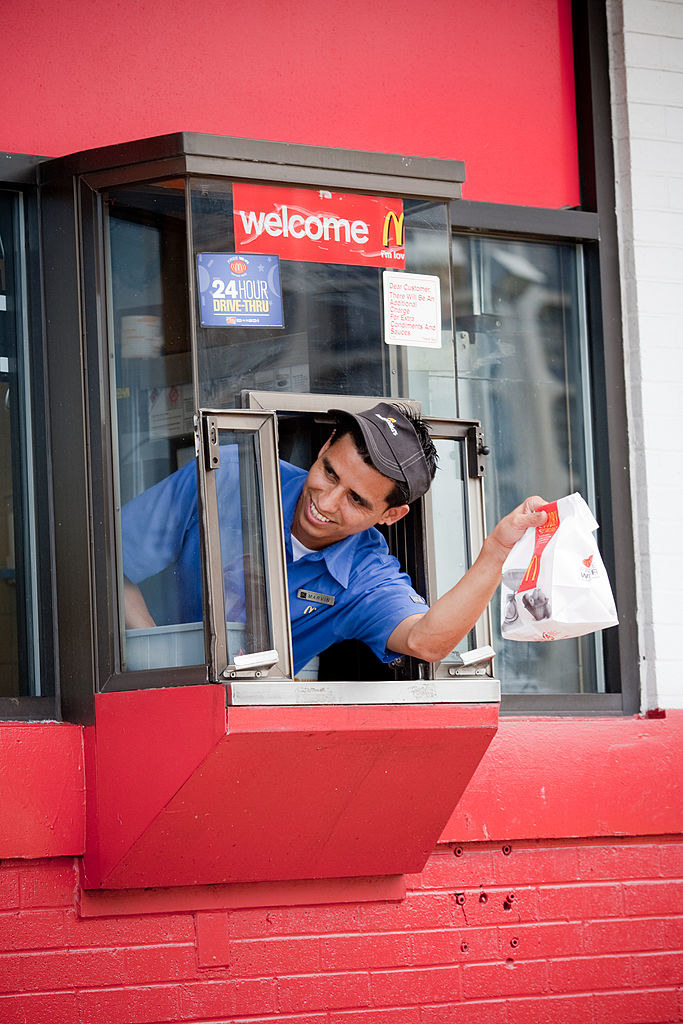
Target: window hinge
x=251, y=664
x=477, y=451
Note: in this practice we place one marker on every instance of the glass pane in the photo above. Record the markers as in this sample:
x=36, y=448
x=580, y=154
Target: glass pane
x=449, y=510
x=523, y=371
x=153, y=404
x=242, y=545
x=332, y=341
x=19, y=661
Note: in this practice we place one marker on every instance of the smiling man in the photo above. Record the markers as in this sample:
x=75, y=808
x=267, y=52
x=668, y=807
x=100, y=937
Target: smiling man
x=343, y=583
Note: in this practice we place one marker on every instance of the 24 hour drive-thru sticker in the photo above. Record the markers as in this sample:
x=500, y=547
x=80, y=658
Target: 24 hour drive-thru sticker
x=412, y=309
x=239, y=291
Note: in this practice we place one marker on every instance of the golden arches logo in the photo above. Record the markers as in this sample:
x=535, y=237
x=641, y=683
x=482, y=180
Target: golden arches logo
x=397, y=221
x=532, y=571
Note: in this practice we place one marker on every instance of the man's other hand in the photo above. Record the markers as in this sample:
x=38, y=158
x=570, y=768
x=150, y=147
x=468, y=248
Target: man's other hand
x=514, y=525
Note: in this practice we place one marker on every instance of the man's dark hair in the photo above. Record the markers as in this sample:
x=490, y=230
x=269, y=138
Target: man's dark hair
x=399, y=494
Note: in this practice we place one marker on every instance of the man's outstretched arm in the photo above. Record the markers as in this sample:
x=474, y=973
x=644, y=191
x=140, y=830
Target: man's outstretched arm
x=137, y=612
x=434, y=634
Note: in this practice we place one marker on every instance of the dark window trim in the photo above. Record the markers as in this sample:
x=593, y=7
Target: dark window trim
x=19, y=169
x=285, y=163
x=596, y=168
x=557, y=704
x=500, y=219
x=26, y=709
x=18, y=176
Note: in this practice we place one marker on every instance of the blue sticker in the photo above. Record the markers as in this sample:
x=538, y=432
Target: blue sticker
x=239, y=291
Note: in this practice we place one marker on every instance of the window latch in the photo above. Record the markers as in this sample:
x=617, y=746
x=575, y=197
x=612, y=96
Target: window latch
x=252, y=664
x=211, y=446
x=477, y=450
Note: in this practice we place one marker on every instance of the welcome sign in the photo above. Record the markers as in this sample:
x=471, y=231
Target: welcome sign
x=318, y=226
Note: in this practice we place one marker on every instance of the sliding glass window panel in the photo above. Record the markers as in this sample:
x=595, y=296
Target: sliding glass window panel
x=523, y=370
x=244, y=545
x=449, y=519
x=423, y=368
x=20, y=674
x=152, y=411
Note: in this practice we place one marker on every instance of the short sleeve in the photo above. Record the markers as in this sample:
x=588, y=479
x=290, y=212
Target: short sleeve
x=154, y=524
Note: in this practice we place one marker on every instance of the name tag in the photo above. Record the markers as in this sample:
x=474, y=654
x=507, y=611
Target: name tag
x=310, y=595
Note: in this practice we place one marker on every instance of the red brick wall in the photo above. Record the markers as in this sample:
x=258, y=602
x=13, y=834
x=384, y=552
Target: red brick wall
x=536, y=932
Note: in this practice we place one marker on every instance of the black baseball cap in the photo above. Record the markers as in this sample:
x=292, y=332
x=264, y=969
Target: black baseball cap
x=393, y=446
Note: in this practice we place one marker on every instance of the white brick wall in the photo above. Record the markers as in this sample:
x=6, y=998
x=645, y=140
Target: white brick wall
x=646, y=68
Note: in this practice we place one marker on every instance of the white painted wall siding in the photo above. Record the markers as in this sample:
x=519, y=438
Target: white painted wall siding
x=646, y=58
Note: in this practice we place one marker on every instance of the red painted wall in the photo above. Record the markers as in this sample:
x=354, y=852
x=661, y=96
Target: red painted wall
x=490, y=83
x=542, y=933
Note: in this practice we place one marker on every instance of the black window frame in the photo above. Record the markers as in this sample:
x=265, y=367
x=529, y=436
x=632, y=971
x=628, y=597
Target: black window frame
x=19, y=180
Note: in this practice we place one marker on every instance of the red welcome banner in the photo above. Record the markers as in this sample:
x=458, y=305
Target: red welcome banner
x=542, y=538
x=318, y=226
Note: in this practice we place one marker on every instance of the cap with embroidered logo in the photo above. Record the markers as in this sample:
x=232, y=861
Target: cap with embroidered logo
x=393, y=446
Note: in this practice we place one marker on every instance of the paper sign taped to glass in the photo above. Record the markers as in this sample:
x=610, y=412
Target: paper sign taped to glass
x=554, y=582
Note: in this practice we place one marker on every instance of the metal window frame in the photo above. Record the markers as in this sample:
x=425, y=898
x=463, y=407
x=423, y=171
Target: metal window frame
x=563, y=227
x=469, y=433
x=263, y=426
x=443, y=682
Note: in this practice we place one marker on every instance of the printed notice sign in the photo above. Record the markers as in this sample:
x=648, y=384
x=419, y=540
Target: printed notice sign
x=412, y=309
x=239, y=291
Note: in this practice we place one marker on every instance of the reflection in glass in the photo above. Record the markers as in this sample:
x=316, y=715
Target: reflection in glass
x=523, y=371
x=449, y=510
x=153, y=402
x=238, y=483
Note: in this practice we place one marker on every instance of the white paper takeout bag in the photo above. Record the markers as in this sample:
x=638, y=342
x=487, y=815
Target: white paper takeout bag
x=554, y=582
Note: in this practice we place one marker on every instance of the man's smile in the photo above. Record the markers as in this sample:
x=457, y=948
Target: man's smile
x=316, y=513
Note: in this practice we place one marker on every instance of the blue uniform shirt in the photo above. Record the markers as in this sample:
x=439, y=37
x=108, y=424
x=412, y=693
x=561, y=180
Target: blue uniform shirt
x=368, y=595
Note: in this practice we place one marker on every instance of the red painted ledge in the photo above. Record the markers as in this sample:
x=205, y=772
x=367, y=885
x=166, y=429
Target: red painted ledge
x=42, y=791
x=546, y=778
x=177, y=796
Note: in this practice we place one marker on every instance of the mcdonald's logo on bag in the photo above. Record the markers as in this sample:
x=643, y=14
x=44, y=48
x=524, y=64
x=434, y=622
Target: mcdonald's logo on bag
x=542, y=538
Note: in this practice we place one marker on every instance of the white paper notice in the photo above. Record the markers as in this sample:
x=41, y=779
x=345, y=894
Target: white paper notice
x=412, y=309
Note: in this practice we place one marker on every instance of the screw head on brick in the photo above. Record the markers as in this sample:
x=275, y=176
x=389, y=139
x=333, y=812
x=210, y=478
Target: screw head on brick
x=460, y=898
x=458, y=851
x=514, y=943
x=507, y=850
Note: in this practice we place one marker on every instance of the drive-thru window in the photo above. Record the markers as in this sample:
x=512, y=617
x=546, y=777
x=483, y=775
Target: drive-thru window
x=204, y=294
